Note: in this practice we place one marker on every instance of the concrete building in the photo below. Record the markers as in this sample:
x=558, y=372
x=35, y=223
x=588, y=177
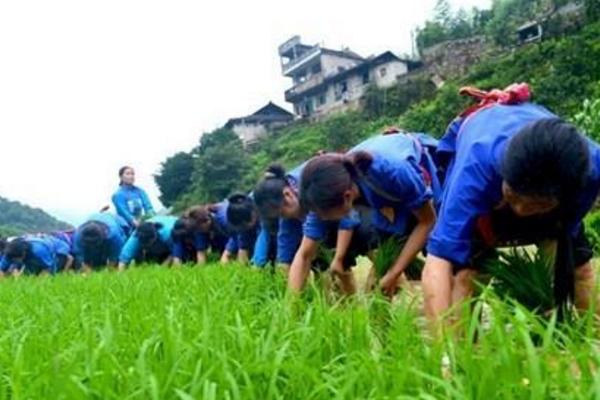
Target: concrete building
x=327, y=81
x=252, y=127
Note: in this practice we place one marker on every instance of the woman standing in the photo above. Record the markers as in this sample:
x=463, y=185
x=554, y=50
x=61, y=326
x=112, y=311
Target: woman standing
x=131, y=202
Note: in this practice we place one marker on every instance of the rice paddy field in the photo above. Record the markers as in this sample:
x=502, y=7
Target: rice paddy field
x=233, y=333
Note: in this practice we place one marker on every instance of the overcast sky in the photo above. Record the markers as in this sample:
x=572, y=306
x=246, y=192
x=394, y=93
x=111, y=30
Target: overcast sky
x=89, y=86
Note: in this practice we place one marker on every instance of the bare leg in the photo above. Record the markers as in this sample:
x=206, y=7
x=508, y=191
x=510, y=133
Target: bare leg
x=585, y=282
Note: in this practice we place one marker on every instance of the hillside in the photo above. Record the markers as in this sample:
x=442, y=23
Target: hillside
x=17, y=218
x=563, y=71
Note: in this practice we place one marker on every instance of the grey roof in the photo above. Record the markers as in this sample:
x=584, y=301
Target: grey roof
x=268, y=114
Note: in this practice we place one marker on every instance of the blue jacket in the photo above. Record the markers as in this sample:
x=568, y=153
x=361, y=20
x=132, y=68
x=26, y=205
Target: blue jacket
x=117, y=231
x=473, y=186
x=44, y=255
x=131, y=202
x=132, y=247
x=400, y=180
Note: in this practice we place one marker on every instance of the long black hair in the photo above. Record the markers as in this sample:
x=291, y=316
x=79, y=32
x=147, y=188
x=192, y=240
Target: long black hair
x=268, y=193
x=550, y=158
x=327, y=177
x=547, y=158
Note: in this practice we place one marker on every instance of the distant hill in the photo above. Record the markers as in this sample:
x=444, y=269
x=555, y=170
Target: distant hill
x=17, y=218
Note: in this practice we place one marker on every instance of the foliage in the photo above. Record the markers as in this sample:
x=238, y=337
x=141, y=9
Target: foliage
x=231, y=333
x=449, y=25
x=592, y=10
x=589, y=118
x=592, y=229
x=390, y=102
x=17, y=218
x=562, y=72
x=175, y=177
x=219, y=166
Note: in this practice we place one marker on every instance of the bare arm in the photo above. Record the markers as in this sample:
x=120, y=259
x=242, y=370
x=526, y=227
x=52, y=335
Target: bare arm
x=300, y=267
x=200, y=257
x=243, y=256
x=415, y=243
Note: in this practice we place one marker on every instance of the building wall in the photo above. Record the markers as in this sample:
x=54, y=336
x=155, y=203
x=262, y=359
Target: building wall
x=386, y=75
x=330, y=64
x=249, y=132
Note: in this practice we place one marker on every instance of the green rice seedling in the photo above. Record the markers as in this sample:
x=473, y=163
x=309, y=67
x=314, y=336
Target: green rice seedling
x=387, y=253
x=523, y=276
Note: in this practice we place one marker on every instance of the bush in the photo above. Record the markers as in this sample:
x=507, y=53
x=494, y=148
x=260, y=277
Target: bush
x=588, y=119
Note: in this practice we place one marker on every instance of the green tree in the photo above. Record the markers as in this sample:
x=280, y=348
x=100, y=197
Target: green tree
x=175, y=177
x=592, y=10
x=219, y=167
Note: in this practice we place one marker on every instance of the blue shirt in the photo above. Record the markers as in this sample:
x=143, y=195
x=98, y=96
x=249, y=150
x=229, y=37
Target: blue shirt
x=44, y=255
x=110, y=250
x=131, y=202
x=400, y=180
x=473, y=185
x=236, y=240
x=291, y=230
x=133, y=247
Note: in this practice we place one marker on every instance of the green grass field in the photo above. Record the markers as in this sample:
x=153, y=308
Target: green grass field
x=231, y=333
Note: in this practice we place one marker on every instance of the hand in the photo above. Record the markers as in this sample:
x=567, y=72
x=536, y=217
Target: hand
x=389, y=284
x=337, y=268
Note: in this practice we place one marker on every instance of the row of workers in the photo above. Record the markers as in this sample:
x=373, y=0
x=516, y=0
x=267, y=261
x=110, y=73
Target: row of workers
x=507, y=171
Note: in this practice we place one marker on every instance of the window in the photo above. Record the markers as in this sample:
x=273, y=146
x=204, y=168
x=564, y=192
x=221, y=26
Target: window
x=340, y=89
x=365, y=78
x=316, y=69
x=321, y=100
x=383, y=72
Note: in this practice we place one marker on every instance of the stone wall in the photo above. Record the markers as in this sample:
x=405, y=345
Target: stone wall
x=454, y=57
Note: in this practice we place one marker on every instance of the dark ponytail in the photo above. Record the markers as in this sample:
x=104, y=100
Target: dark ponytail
x=549, y=158
x=268, y=193
x=326, y=178
x=240, y=210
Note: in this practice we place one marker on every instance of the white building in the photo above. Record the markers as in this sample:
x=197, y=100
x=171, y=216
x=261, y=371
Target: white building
x=327, y=81
x=252, y=127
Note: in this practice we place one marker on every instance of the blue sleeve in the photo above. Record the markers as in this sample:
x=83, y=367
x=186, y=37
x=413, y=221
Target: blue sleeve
x=289, y=236
x=115, y=245
x=4, y=264
x=350, y=222
x=146, y=202
x=246, y=239
x=120, y=204
x=201, y=241
x=177, y=250
x=130, y=250
x=261, y=248
x=232, y=244
x=314, y=228
x=464, y=200
x=77, y=250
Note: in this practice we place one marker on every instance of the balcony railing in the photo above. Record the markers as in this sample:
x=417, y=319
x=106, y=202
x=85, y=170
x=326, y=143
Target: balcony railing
x=287, y=67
